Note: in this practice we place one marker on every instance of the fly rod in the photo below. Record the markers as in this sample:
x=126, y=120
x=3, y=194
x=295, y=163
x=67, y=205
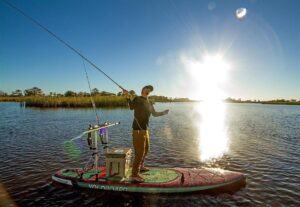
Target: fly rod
x=60, y=40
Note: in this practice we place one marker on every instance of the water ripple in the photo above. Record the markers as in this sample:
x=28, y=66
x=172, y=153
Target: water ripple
x=264, y=144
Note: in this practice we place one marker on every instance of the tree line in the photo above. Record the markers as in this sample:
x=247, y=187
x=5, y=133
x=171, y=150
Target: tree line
x=232, y=100
x=35, y=91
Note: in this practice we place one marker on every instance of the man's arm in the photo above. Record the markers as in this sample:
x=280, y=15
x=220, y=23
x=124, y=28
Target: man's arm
x=131, y=103
x=156, y=114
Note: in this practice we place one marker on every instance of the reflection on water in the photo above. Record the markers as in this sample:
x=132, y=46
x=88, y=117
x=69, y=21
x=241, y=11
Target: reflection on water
x=212, y=134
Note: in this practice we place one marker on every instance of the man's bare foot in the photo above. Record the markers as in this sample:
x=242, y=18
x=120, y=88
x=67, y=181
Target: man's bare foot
x=137, y=179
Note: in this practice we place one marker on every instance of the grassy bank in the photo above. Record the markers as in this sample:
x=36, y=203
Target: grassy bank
x=268, y=102
x=282, y=102
x=277, y=101
x=68, y=102
x=77, y=101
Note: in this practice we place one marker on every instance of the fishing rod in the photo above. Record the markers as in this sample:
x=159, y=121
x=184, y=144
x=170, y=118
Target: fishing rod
x=63, y=42
x=94, y=129
x=60, y=40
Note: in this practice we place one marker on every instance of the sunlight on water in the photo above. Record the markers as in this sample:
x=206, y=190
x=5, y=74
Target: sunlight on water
x=212, y=134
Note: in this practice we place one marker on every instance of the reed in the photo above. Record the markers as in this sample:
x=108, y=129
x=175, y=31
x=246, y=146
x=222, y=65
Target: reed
x=68, y=102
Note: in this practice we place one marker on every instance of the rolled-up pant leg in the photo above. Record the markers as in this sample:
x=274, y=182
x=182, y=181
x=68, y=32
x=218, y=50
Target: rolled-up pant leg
x=139, y=143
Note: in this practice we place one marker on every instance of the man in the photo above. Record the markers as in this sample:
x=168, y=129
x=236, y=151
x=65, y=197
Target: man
x=143, y=108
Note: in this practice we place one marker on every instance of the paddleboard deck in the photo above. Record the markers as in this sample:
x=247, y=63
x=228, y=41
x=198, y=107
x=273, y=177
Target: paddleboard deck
x=157, y=180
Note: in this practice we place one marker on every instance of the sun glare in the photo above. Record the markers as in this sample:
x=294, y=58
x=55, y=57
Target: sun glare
x=212, y=132
x=207, y=76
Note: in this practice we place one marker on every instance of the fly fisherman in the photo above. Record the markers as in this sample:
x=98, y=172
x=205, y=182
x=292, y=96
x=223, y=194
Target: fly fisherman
x=143, y=108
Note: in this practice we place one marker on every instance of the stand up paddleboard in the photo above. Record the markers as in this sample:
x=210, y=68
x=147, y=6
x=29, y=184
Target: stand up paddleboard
x=157, y=180
x=115, y=175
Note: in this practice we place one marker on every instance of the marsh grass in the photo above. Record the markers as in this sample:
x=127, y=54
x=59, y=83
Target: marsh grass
x=68, y=102
x=103, y=101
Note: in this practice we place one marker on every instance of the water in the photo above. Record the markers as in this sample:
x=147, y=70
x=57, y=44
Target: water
x=261, y=141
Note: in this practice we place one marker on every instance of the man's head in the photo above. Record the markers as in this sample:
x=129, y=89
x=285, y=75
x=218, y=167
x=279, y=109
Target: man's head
x=146, y=90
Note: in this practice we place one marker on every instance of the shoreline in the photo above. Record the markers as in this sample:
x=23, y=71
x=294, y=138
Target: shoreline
x=106, y=101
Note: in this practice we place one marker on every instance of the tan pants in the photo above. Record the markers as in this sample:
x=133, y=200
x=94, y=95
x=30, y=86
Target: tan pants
x=141, y=148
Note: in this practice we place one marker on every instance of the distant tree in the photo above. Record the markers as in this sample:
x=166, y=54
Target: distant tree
x=281, y=100
x=95, y=91
x=2, y=93
x=229, y=100
x=70, y=93
x=83, y=93
x=119, y=93
x=159, y=98
x=17, y=92
x=181, y=99
x=105, y=93
x=132, y=93
x=35, y=91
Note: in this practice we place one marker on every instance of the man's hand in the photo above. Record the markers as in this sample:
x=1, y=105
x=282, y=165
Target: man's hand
x=125, y=93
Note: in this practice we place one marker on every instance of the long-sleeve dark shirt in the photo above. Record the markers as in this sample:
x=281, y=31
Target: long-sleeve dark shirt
x=143, y=108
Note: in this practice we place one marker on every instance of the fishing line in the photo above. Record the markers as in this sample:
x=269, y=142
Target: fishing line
x=60, y=40
x=64, y=43
x=91, y=96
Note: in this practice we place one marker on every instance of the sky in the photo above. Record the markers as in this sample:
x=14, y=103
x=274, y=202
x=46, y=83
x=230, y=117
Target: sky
x=184, y=48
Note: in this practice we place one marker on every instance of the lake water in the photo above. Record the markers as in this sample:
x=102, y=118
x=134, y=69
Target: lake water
x=261, y=141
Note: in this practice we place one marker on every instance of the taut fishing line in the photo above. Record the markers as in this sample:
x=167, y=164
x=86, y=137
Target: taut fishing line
x=60, y=40
x=91, y=96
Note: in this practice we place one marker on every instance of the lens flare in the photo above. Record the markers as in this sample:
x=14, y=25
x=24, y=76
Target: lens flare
x=72, y=150
x=240, y=13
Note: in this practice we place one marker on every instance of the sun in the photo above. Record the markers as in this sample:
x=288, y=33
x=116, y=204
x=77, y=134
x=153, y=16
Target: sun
x=207, y=76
